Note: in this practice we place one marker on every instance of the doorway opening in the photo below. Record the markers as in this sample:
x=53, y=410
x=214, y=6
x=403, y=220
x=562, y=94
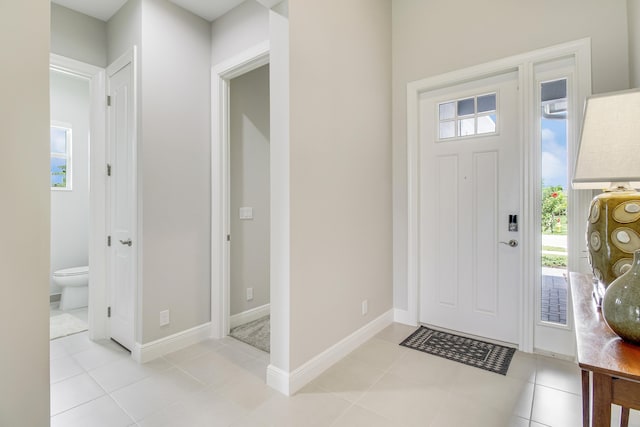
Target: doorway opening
x=249, y=205
x=548, y=67
x=77, y=197
x=470, y=193
x=221, y=211
x=69, y=174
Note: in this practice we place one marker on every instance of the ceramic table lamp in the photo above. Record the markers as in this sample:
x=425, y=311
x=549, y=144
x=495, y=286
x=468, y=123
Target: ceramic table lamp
x=609, y=160
x=621, y=304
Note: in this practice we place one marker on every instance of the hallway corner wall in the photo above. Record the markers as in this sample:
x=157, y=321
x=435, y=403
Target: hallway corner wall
x=24, y=252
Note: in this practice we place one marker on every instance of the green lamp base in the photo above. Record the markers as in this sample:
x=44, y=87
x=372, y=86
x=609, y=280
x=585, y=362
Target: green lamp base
x=613, y=234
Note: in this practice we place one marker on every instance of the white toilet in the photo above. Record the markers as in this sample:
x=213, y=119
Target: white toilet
x=74, y=283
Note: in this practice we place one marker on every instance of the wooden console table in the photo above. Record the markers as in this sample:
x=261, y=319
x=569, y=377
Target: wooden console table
x=614, y=364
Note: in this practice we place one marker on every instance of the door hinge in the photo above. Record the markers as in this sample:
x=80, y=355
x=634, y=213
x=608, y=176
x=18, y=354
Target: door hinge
x=228, y=237
x=108, y=311
x=108, y=100
x=108, y=240
x=108, y=169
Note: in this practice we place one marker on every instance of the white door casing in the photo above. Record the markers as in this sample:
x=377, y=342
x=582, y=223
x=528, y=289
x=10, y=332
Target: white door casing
x=469, y=186
x=122, y=199
x=525, y=63
x=221, y=74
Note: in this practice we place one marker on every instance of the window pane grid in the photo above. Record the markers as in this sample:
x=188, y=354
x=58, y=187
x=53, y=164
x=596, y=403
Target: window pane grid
x=60, y=155
x=467, y=117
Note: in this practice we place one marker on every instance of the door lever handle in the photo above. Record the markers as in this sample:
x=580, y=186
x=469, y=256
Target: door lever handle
x=127, y=242
x=513, y=243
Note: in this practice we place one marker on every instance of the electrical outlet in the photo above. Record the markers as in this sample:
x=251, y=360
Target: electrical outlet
x=164, y=318
x=249, y=294
x=365, y=307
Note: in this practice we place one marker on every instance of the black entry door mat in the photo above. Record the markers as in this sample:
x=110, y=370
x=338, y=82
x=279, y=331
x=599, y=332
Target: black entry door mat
x=490, y=357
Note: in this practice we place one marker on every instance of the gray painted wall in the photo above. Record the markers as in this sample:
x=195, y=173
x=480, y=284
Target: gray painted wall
x=70, y=103
x=633, y=10
x=340, y=154
x=124, y=30
x=175, y=170
x=24, y=252
x=78, y=36
x=237, y=30
x=249, y=158
x=174, y=48
x=431, y=38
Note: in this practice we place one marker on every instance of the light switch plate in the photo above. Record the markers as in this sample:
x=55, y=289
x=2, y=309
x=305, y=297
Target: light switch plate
x=164, y=318
x=246, y=213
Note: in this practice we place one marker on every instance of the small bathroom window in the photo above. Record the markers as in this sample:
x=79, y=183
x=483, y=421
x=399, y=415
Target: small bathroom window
x=60, y=166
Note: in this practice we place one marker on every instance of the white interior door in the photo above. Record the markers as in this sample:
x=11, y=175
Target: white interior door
x=470, y=184
x=122, y=201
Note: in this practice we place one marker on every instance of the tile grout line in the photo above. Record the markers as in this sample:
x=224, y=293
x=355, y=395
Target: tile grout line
x=179, y=368
x=355, y=402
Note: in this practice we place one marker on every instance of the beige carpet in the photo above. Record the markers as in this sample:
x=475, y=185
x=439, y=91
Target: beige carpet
x=65, y=324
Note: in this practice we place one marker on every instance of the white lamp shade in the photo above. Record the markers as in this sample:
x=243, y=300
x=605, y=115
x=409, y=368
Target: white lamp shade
x=609, y=150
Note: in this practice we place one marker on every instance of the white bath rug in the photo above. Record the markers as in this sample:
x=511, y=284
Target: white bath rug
x=65, y=324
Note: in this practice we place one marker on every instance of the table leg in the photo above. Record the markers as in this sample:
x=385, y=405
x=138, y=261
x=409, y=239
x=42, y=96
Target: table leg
x=601, y=400
x=624, y=417
x=586, y=404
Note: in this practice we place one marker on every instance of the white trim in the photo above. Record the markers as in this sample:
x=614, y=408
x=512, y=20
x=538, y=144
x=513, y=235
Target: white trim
x=278, y=380
x=523, y=63
x=289, y=384
x=404, y=317
x=97, y=222
x=143, y=353
x=242, y=63
x=249, y=315
x=72, y=66
x=269, y=4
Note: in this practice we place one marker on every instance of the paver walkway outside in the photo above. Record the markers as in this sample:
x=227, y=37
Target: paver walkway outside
x=554, y=285
x=554, y=299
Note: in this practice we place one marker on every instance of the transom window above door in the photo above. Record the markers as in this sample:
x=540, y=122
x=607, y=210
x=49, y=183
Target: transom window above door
x=466, y=117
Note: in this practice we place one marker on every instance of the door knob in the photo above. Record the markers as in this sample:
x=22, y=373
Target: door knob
x=129, y=243
x=513, y=243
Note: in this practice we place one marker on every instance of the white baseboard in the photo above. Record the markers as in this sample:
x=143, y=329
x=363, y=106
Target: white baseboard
x=249, y=315
x=404, y=317
x=289, y=383
x=143, y=353
x=278, y=379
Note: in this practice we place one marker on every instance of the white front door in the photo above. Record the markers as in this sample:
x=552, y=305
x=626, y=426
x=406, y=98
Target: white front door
x=470, y=185
x=121, y=275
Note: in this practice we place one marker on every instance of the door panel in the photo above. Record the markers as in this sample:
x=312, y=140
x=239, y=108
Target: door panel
x=447, y=231
x=485, y=200
x=469, y=186
x=121, y=190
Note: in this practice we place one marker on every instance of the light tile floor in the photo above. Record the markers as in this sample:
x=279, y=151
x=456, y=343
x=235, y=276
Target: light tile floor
x=380, y=384
x=80, y=313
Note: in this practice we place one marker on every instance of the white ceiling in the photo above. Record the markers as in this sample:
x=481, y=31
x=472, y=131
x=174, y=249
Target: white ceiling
x=105, y=9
